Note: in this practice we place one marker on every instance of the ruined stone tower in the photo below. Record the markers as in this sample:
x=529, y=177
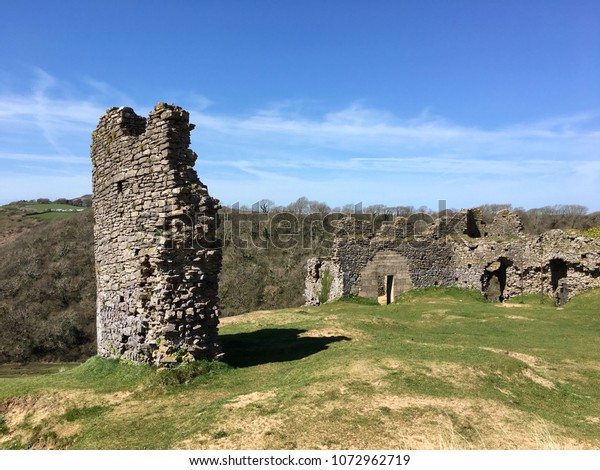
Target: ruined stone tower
x=157, y=258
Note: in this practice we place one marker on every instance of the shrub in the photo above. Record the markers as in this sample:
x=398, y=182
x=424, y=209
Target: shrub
x=592, y=232
x=326, y=281
x=3, y=425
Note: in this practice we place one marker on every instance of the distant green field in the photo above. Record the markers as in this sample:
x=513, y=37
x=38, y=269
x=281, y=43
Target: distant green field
x=46, y=211
x=53, y=215
x=438, y=369
x=48, y=207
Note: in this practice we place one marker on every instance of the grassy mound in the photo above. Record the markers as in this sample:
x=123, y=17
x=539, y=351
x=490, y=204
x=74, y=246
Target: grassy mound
x=438, y=369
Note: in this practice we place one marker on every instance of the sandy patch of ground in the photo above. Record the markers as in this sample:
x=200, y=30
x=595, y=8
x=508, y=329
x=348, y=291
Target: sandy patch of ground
x=244, y=400
x=249, y=317
x=66, y=430
x=439, y=314
x=531, y=361
x=394, y=421
x=537, y=379
x=421, y=422
x=367, y=371
x=509, y=305
x=333, y=332
x=450, y=423
x=518, y=317
x=270, y=317
x=392, y=363
x=379, y=321
x=241, y=432
x=445, y=300
x=117, y=398
x=24, y=414
x=6, y=238
x=36, y=408
x=434, y=345
x=455, y=374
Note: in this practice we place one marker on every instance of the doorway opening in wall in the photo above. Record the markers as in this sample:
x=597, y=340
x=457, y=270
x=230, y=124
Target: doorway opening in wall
x=493, y=280
x=389, y=289
x=558, y=271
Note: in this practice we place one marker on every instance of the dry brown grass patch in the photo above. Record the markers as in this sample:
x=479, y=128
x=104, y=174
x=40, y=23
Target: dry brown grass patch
x=36, y=408
x=244, y=400
x=455, y=374
x=241, y=431
x=537, y=379
x=266, y=317
x=335, y=331
x=449, y=423
x=531, y=361
x=25, y=415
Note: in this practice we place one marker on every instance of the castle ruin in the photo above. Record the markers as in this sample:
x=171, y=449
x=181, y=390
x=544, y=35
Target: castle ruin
x=157, y=258
x=459, y=250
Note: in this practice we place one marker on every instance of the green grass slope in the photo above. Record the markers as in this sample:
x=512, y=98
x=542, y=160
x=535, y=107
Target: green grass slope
x=439, y=369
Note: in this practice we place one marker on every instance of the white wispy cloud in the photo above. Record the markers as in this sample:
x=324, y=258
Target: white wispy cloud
x=357, y=148
x=46, y=113
x=287, y=150
x=37, y=157
x=380, y=132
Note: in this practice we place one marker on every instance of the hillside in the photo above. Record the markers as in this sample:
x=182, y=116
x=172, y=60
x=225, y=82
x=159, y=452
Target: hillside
x=439, y=369
x=47, y=287
x=47, y=281
x=48, y=290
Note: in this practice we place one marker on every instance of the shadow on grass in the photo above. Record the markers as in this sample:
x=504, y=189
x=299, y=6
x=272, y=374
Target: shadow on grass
x=272, y=345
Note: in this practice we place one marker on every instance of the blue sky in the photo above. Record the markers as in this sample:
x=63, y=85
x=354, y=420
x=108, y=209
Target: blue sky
x=394, y=102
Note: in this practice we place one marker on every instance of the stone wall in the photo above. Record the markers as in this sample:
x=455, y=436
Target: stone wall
x=319, y=269
x=157, y=258
x=506, y=224
x=385, y=276
x=467, y=251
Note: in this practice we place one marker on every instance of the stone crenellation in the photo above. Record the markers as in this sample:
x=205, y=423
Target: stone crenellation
x=463, y=250
x=157, y=257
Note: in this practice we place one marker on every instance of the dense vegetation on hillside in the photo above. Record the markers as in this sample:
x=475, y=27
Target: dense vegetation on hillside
x=47, y=284
x=47, y=291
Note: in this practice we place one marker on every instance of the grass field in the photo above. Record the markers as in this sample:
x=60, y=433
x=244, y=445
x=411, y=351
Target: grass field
x=53, y=215
x=10, y=370
x=52, y=206
x=439, y=369
x=46, y=211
